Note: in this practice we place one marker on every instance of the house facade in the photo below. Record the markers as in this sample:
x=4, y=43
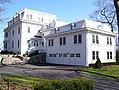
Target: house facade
x=23, y=26
x=80, y=43
x=77, y=43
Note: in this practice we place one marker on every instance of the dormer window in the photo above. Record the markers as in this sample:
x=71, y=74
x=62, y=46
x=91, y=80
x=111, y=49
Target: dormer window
x=73, y=25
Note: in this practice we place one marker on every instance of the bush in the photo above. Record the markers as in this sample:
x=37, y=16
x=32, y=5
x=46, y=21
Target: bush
x=77, y=84
x=98, y=63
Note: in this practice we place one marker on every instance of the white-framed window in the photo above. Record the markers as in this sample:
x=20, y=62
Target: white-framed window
x=18, y=43
x=50, y=42
x=18, y=29
x=62, y=40
x=77, y=39
x=12, y=32
x=95, y=55
x=28, y=30
x=6, y=34
x=109, y=55
x=95, y=39
x=109, y=41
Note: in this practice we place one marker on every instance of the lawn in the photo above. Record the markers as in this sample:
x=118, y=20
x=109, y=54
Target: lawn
x=111, y=71
x=11, y=82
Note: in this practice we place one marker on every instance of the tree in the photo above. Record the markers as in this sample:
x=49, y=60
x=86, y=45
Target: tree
x=98, y=63
x=105, y=13
x=2, y=9
x=116, y=4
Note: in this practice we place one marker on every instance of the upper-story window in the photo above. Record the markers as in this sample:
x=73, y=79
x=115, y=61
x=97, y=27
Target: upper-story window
x=6, y=34
x=18, y=29
x=50, y=42
x=109, y=41
x=62, y=40
x=95, y=39
x=13, y=33
x=28, y=30
x=29, y=16
x=77, y=39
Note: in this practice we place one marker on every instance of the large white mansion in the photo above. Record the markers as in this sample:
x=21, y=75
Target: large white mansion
x=77, y=43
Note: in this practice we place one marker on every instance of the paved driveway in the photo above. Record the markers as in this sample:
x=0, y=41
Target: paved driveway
x=58, y=72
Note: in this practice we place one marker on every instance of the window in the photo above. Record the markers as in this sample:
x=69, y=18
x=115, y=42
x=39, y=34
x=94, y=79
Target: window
x=77, y=54
x=19, y=30
x=64, y=55
x=42, y=43
x=50, y=55
x=93, y=38
x=77, y=39
x=107, y=40
x=109, y=55
x=54, y=55
x=97, y=39
x=28, y=30
x=50, y=42
x=60, y=55
x=5, y=45
x=95, y=55
x=6, y=34
x=62, y=40
x=13, y=33
x=110, y=41
x=12, y=44
x=72, y=55
x=18, y=43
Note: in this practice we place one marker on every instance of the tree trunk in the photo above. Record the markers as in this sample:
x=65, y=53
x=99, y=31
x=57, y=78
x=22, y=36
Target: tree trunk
x=116, y=4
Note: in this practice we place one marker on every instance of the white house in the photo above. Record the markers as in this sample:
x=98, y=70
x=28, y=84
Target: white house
x=80, y=43
x=23, y=26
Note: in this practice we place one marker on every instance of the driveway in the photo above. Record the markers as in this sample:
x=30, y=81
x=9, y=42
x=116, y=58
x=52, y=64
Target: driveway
x=58, y=72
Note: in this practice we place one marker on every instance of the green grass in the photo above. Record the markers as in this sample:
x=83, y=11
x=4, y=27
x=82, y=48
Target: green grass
x=106, y=71
x=45, y=84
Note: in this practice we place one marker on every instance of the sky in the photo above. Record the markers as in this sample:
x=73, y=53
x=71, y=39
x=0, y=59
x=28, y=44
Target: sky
x=65, y=10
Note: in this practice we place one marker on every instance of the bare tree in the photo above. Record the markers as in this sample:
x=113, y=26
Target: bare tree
x=2, y=9
x=105, y=13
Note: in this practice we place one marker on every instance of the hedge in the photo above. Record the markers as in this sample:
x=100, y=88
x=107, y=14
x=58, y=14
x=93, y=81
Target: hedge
x=76, y=84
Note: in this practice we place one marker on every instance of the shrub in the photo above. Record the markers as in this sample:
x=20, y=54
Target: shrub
x=77, y=84
x=98, y=63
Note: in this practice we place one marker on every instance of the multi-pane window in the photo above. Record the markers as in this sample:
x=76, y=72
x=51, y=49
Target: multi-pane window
x=28, y=30
x=95, y=55
x=13, y=33
x=62, y=40
x=50, y=42
x=109, y=55
x=72, y=55
x=5, y=45
x=18, y=43
x=6, y=34
x=19, y=30
x=78, y=55
x=109, y=41
x=77, y=39
x=95, y=39
x=50, y=55
x=60, y=55
x=12, y=44
x=64, y=55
